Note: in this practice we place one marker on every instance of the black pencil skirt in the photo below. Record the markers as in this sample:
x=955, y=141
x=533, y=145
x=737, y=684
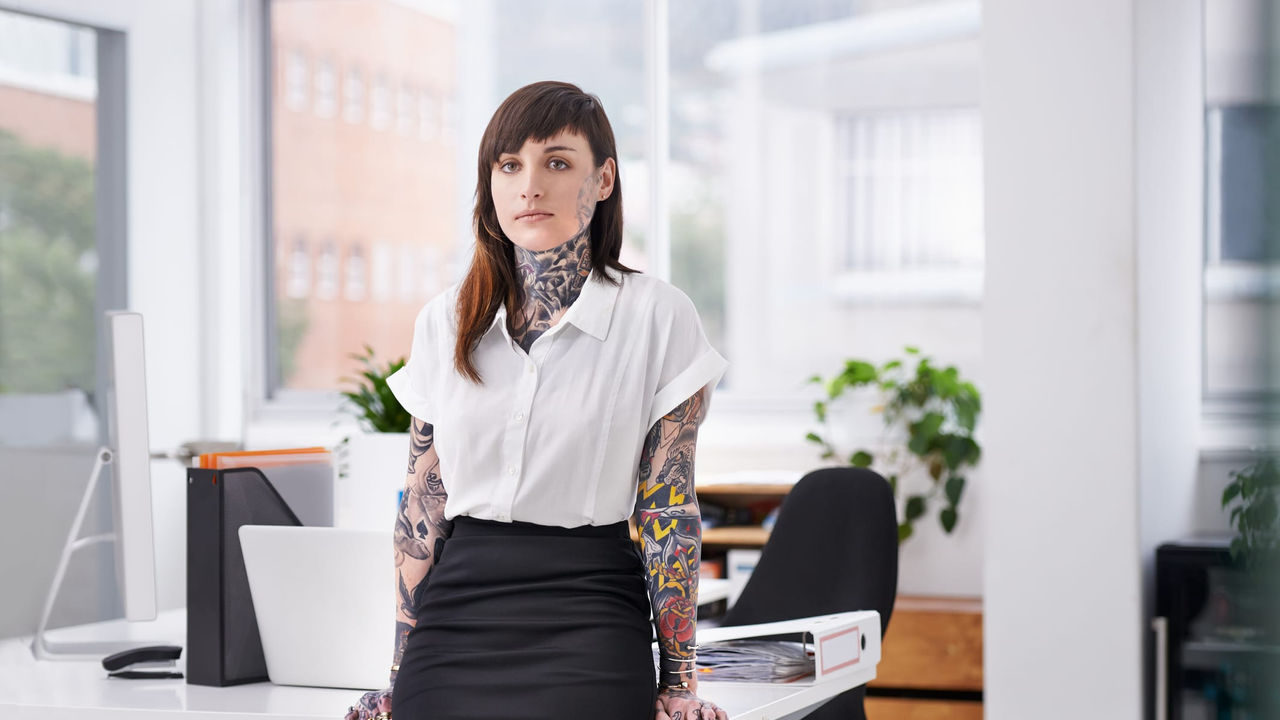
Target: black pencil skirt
x=528, y=621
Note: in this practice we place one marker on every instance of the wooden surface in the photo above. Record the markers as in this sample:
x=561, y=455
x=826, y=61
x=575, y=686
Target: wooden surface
x=932, y=643
x=902, y=709
x=736, y=535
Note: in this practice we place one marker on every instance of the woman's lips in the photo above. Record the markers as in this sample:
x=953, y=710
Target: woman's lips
x=533, y=217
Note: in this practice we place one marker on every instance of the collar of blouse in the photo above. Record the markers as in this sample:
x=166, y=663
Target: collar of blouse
x=591, y=312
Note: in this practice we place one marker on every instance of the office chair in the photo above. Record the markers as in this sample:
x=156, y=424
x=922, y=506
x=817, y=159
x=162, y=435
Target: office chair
x=833, y=549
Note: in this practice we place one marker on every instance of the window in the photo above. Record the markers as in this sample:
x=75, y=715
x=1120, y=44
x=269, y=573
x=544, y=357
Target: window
x=61, y=225
x=380, y=104
x=1241, y=312
x=295, y=81
x=823, y=168
x=327, y=272
x=404, y=110
x=911, y=190
x=381, y=280
x=325, y=89
x=355, y=274
x=299, y=284
x=1242, y=251
x=353, y=96
x=426, y=116
x=777, y=160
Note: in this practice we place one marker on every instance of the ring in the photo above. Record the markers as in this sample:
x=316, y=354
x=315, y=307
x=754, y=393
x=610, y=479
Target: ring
x=382, y=716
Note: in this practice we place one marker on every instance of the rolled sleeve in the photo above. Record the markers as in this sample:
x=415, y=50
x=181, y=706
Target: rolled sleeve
x=411, y=384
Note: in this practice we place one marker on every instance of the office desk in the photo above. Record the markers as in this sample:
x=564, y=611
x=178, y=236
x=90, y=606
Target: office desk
x=31, y=690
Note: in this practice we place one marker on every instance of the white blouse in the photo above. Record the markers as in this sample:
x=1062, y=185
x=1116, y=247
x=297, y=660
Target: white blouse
x=554, y=436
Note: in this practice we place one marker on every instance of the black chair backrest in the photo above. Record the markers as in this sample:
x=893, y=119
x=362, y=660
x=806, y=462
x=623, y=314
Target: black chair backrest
x=833, y=549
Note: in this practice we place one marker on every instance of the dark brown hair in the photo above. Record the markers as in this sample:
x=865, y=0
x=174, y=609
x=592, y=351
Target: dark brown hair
x=534, y=112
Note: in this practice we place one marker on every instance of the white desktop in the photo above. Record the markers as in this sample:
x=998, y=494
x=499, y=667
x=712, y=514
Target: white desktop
x=31, y=689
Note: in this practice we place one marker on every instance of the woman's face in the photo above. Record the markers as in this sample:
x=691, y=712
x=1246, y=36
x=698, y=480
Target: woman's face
x=547, y=192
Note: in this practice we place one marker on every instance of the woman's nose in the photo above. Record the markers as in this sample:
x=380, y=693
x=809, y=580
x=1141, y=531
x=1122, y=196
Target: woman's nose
x=532, y=187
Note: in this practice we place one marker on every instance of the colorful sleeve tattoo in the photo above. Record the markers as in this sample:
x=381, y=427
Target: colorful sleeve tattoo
x=670, y=528
x=420, y=530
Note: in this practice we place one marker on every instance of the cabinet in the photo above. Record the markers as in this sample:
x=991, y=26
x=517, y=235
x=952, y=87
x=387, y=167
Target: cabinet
x=1218, y=648
x=930, y=662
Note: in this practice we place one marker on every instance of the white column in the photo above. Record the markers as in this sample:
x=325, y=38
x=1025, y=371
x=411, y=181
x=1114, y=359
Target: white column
x=1062, y=590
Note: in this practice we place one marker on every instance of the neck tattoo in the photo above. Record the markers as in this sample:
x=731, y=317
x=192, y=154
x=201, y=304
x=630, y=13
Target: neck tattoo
x=554, y=278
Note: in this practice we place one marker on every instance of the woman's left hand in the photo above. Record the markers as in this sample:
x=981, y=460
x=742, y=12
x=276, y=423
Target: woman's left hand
x=681, y=704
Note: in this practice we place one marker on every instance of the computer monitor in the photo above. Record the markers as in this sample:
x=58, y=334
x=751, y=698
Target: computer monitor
x=131, y=467
x=128, y=453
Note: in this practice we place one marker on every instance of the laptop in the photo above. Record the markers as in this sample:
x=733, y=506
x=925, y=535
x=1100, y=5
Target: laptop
x=325, y=601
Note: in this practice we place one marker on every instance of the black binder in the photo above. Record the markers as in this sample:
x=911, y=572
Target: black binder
x=223, y=646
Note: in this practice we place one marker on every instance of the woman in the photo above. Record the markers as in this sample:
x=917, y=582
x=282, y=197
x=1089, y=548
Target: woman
x=554, y=393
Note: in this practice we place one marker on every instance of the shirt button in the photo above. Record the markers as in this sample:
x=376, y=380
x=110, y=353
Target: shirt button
x=529, y=368
x=519, y=416
x=511, y=469
x=503, y=517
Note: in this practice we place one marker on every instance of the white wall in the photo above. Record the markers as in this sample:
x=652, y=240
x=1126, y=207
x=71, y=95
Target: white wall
x=1062, y=591
x=163, y=241
x=1170, y=91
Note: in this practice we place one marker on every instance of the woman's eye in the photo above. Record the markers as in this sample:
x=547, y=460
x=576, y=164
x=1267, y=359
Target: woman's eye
x=558, y=164
x=508, y=166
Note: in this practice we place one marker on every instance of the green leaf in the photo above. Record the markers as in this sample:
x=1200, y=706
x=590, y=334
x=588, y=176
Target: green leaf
x=923, y=432
x=1265, y=511
x=966, y=412
x=893, y=484
x=815, y=379
x=915, y=507
x=820, y=409
x=1230, y=493
x=912, y=350
x=904, y=531
x=891, y=365
x=954, y=488
x=956, y=450
x=948, y=518
x=861, y=459
x=813, y=438
x=859, y=372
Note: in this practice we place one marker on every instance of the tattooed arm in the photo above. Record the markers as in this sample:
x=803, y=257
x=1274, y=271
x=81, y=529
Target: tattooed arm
x=419, y=534
x=420, y=529
x=670, y=527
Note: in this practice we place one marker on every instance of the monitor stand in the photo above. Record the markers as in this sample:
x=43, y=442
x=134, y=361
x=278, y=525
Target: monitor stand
x=41, y=647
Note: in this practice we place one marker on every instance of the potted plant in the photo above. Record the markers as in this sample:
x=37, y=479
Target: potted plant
x=1252, y=492
x=372, y=463
x=934, y=408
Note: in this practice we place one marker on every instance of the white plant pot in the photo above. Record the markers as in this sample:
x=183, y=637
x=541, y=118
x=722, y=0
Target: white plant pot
x=368, y=496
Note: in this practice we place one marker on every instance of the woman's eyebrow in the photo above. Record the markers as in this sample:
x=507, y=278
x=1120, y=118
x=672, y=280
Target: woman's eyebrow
x=559, y=148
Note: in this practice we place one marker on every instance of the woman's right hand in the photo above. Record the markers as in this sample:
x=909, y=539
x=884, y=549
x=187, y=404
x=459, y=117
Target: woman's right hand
x=370, y=705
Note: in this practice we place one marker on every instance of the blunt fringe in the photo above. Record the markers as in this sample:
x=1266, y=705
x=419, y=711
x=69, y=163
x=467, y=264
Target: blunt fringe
x=534, y=112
